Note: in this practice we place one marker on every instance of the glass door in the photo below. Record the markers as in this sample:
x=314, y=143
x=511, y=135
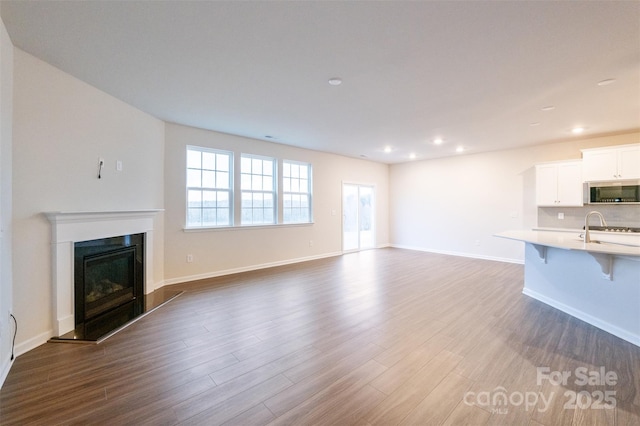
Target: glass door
x=358, y=230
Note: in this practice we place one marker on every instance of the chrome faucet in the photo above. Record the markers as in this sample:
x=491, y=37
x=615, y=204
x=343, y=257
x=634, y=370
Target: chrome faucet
x=587, y=236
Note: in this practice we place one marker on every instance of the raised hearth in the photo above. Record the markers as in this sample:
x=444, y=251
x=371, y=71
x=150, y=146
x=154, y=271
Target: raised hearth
x=152, y=301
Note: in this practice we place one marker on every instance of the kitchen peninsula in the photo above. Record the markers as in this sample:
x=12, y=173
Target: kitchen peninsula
x=597, y=282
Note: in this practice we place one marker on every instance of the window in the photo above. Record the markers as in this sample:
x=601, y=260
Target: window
x=214, y=176
x=209, y=187
x=296, y=192
x=257, y=183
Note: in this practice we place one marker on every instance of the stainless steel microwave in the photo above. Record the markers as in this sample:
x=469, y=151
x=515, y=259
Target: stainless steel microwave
x=615, y=192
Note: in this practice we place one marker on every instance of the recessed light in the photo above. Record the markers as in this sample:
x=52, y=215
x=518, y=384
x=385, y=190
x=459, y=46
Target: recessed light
x=537, y=123
x=412, y=155
x=606, y=82
x=363, y=156
x=548, y=108
x=577, y=130
x=438, y=141
x=335, y=81
x=387, y=149
x=460, y=149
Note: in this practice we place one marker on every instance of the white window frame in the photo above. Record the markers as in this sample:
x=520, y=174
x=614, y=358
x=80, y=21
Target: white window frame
x=290, y=190
x=253, y=176
x=190, y=187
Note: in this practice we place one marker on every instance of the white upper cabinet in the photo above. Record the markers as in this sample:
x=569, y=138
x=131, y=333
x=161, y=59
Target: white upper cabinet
x=611, y=163
x=559, y=184
x=629, y=162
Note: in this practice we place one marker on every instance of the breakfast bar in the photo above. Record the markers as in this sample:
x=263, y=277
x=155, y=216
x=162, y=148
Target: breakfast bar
x=597, y=282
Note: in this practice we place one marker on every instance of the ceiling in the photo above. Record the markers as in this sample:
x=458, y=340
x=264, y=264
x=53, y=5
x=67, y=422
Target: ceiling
x=476, y=74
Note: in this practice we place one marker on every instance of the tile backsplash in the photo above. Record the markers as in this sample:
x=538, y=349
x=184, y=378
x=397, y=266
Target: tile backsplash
x=615, y=215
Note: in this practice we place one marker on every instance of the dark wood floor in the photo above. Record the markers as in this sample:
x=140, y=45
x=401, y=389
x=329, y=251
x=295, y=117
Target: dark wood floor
x=381, y=337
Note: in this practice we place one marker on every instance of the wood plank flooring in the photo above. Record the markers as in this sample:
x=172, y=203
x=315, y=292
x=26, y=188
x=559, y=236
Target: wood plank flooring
x=381, y=337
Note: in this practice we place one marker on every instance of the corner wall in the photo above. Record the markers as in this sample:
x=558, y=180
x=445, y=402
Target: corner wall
x=454, y=205
x=223, y=251
x=6, y=279
x=61, y=127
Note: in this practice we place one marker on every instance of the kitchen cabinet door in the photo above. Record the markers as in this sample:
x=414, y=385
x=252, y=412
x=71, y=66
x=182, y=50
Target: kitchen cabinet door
x=600, y=165
x=614, y=163
x=570, y=188
x=559, y=184
x=547, y=185
x=629, y=163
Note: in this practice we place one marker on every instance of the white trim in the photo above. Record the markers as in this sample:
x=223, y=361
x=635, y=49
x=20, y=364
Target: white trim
x=247, y=268
x=460, y=254
x=5, y=370
x=34, y=342
x=83, y=216
x=246, y=227
x=70, y=227
x=589, y=319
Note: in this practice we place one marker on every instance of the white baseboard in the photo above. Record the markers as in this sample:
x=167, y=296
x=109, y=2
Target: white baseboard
x=460, y=254
x=5, y=371
x=156, y=286
x=247, y=268
x=589, y=319
x=33, y=343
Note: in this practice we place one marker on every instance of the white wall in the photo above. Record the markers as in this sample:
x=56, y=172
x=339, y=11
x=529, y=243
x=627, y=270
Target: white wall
x=454, y=205
x=61, y=128
x=6, y=112
x=222, y=251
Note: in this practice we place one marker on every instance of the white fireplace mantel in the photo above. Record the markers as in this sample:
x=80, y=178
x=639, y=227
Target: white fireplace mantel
x=67, y=228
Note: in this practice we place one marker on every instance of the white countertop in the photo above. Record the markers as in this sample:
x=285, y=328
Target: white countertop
x=570, y=240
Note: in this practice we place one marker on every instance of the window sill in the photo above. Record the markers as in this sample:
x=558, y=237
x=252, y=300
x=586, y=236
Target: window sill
x=246, y=227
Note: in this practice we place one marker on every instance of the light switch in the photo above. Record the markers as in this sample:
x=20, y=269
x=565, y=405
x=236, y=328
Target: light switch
x=119, y=165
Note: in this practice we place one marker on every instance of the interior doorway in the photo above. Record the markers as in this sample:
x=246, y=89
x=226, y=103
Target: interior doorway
x=358, y=217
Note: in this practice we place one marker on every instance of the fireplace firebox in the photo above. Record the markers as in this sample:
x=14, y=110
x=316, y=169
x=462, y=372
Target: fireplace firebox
x=108, y=284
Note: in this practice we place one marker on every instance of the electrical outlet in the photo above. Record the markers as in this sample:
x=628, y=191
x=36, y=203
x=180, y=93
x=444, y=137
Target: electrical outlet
x=119, y=165
x=477, y=242
x=310, y=243
x=561, y=216
x=189, y=258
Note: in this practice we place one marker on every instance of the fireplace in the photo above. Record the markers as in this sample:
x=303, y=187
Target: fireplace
x=108, y=283
x=69, y=228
